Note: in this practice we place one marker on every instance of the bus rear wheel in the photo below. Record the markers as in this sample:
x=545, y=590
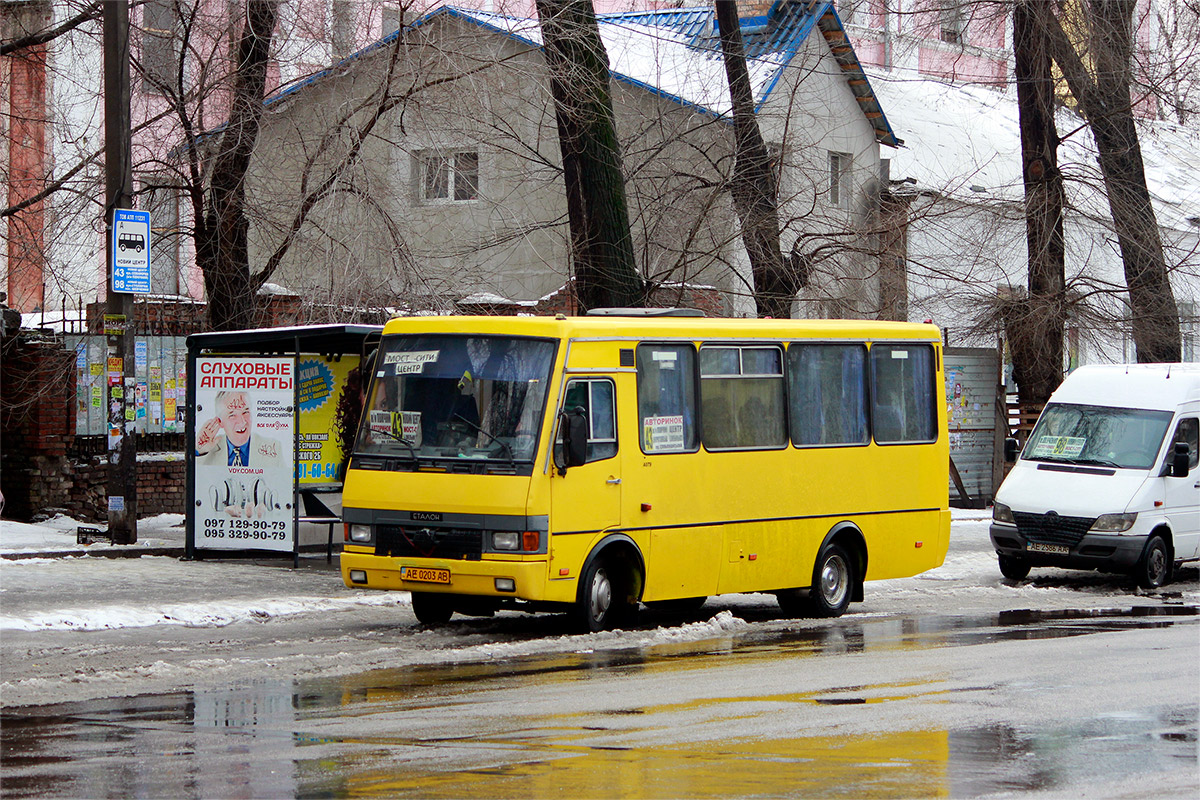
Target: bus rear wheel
x=833, y=582
x=432, y=609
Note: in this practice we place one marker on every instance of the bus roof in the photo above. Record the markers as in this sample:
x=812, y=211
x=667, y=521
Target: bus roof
x=1152, y=386
x=665, y=327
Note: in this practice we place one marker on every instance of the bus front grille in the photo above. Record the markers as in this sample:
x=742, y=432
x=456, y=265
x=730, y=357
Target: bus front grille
x=424, y=542
x=1051, y=528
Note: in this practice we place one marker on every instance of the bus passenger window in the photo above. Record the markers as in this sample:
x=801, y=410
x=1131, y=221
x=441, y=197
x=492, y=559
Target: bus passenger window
x=827, y=392
x=741, y=397
x=902, y=394
x=596, y=398
x=666, y=381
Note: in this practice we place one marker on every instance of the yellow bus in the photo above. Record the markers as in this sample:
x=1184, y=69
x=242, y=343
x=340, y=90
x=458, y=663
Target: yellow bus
x=589, y=464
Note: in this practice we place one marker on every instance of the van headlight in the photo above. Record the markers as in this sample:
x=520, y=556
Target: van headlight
x=1113, y=523
x=506, y=540
x=1002, y=513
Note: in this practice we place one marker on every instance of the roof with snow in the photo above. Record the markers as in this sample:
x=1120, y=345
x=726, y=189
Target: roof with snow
x=676, y=53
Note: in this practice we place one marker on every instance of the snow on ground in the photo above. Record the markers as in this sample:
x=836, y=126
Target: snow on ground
x=58, y=535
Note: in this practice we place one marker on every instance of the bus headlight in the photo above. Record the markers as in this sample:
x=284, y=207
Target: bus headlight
x=1113, y=523
x=506, y=540
x=1002, y=513
x=360, y=533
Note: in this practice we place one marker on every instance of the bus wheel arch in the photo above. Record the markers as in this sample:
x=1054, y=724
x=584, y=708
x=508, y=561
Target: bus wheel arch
x=610, y=584
x=851, y=539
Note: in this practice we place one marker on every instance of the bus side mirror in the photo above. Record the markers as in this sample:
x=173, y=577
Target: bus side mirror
x=1180, y=460
x=573, y=424
x=1010, y=450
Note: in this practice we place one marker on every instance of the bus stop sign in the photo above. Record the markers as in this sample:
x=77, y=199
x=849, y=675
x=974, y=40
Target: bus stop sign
x=131, y=251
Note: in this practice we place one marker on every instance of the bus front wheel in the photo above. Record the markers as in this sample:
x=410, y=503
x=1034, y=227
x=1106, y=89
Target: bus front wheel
x=1014, y=568
x=432, y=609
x=833, y=582
x=1155, y=566
x=603, y=601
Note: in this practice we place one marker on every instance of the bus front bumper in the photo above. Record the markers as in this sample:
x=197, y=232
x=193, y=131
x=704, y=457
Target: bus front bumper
x=484, y=578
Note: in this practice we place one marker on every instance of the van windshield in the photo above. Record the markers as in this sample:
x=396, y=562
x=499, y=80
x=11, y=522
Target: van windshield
x=440, y=397
x=1128, y=438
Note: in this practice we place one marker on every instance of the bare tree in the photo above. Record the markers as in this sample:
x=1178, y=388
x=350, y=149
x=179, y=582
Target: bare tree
x=1103, y=94
x=753, y=182
x=601, y=245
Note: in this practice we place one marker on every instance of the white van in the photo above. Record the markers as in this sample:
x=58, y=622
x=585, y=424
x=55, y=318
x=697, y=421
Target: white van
x=1108, y=479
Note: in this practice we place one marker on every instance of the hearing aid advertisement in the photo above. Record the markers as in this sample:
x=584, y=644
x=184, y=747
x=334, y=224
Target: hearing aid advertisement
x=244, y=461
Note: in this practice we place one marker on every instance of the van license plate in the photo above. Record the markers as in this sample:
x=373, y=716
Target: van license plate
x=425, y=574
x=1057, y=549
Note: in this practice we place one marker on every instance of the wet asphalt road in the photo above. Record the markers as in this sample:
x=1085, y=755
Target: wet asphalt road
x=1102, y=701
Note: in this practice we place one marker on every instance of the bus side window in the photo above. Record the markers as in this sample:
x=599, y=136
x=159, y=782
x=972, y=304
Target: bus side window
x=666, y=387
x=828, y=394
x=597, y=397
x=902, y=394
x=742, y=396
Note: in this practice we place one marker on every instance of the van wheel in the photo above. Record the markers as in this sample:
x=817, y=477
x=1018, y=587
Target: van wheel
x=833, y=582
x=1155, y=567
x=1014, y=568
x=603, y=601
x=432, y=609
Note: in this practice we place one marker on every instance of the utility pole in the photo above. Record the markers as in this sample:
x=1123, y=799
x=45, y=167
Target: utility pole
x=118, y=321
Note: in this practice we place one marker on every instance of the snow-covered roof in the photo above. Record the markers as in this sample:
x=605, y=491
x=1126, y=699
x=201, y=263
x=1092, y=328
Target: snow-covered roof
x=676, y=53
x=965, y=142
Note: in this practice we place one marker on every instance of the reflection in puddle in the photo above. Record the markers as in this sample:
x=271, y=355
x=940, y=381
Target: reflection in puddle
x=453, y=730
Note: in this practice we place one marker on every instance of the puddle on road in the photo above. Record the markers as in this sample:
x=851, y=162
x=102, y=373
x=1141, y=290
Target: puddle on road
x=274, y=739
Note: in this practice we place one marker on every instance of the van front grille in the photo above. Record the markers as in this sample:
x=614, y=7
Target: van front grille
x=1051, y=528
x=427, y=542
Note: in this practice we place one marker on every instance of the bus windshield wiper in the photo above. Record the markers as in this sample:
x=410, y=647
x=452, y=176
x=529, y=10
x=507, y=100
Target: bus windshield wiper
x=397, y=437
x=1102, y=462
x=505, y=449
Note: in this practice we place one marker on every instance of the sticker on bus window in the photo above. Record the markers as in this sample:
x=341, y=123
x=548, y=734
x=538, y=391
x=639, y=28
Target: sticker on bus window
x=1061, y=446
x=666, y=358
x=663, y=434
x=390, y=425
x=899, y=354
x=410, y=363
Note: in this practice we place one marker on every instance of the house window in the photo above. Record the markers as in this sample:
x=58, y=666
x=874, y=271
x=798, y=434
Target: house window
x=1189, y=330
x=953, y=23
x=159, y=59
x=449, y=176
x=839, y=179
x=847, y=10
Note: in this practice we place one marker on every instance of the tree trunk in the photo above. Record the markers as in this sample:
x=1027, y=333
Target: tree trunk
x=221, y=234
x=1106, y=104
x=601, y=244
x=1035, y=324
x=753, y=183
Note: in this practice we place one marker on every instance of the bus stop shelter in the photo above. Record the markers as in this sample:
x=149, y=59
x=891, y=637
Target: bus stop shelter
x=272, y=414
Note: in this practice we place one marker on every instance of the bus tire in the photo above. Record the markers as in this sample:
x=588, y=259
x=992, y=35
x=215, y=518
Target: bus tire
x=603, y=596
x=431, y=608
x=1014, y=568
x=832, y=583
x=1155, y=566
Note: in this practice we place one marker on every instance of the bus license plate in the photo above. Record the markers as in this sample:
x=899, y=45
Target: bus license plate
x=1035, y=547
x=425, y=574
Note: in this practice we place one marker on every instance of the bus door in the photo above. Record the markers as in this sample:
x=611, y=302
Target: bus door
x=587, y=498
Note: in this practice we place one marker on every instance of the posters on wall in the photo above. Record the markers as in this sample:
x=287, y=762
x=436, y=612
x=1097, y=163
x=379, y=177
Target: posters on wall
x=328, y=397
x=244, y=453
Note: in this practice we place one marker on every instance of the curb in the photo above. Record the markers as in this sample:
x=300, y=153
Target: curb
x=175, y=552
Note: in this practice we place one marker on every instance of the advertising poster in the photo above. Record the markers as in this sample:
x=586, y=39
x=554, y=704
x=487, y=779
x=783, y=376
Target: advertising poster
x=243, y=451
x=330, y=404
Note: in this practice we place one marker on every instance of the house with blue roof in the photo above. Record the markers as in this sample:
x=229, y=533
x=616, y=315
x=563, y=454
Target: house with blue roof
x=453, y=188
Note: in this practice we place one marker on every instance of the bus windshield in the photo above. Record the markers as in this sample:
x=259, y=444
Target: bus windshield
x=1128, y=438
x=457, y=397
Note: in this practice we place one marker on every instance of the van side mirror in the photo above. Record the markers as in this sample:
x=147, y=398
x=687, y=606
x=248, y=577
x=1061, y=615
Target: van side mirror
x=1180, y=460
x=573, y=425
x=1010, y=450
